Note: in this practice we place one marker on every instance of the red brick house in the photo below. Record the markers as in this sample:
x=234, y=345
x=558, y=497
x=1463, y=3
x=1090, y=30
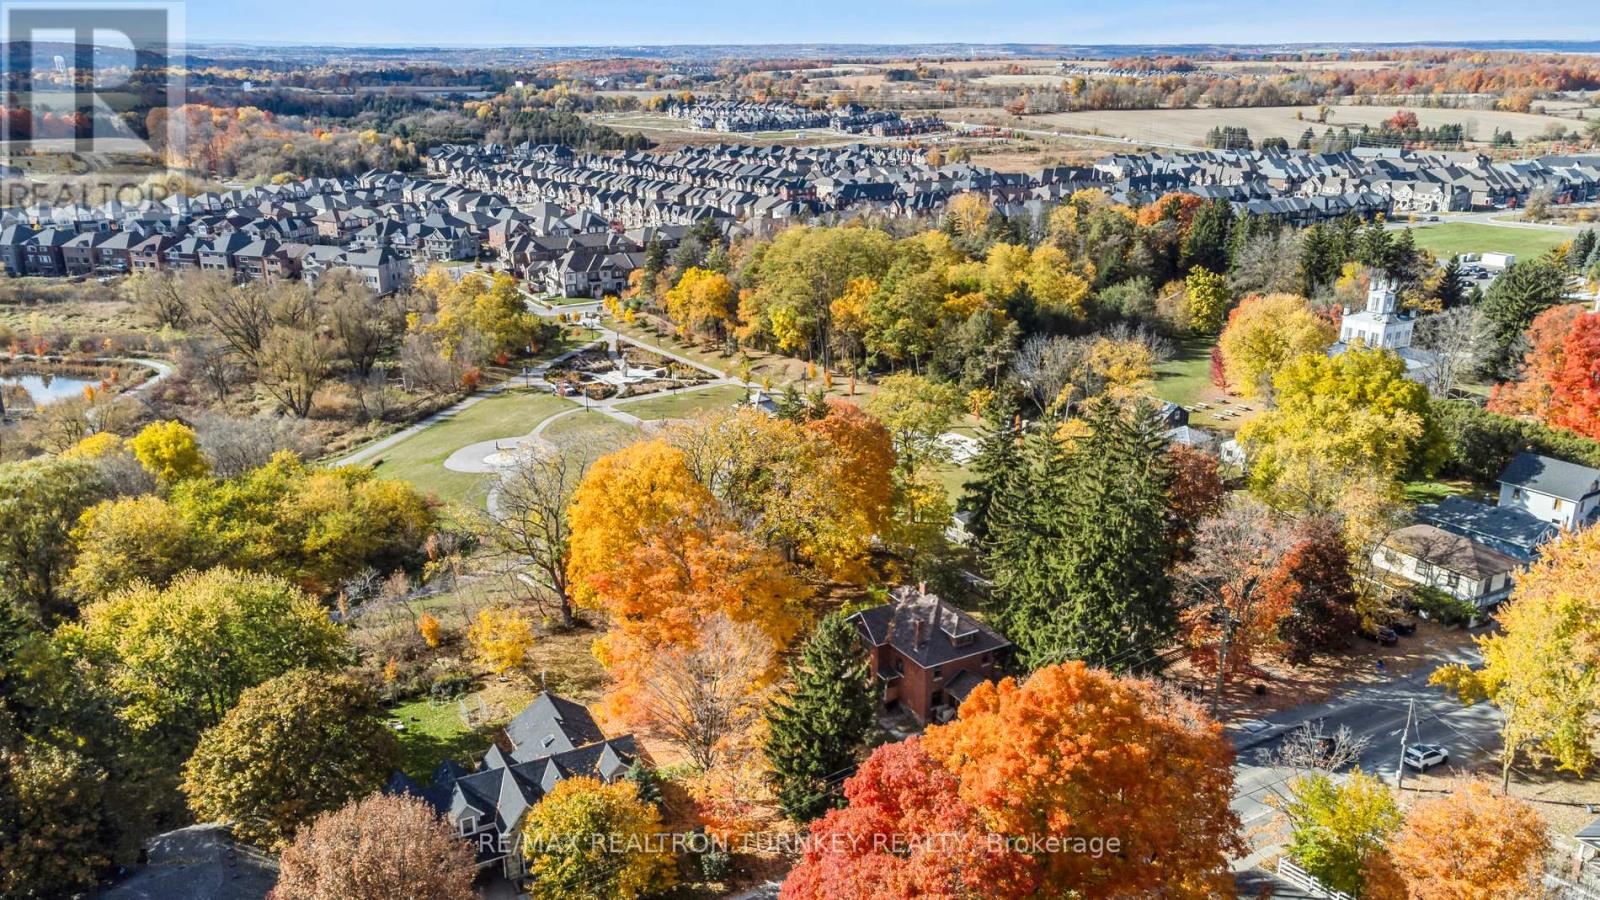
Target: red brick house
x=926, y=655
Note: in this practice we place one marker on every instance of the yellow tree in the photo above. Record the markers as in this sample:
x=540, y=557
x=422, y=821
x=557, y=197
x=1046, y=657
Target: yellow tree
x=1543, y=669
x=1056, y=284
x=1264, y=333
x=565, y=861
x=970, y=213
x=1353, y=412
x=502, y=637
x=701, y=301
x=1471, y=845
x=170, y=451
x=1206, y=297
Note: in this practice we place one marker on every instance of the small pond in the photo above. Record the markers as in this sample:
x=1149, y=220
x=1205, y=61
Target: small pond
x=47, y=389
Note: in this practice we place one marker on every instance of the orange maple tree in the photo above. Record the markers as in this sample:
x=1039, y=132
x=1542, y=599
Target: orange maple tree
x=1076, y=754
x=1471, y=844
x=1575, y=391
x=1530, y=395
x=907, y=832
x=651, y=549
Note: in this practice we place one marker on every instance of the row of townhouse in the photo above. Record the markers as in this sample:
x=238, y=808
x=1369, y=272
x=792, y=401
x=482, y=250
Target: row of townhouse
x=54, y=252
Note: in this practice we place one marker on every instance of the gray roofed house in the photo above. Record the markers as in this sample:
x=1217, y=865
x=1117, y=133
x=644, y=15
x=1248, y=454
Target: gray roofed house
x=551, y=740
x=1566, y=494
x=201, y=862
x=551, y=725
x=1514, y=532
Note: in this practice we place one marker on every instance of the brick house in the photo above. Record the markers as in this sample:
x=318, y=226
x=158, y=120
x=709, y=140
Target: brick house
x=926, y=655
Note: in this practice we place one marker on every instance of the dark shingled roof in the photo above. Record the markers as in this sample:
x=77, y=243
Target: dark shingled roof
x=1514, y=532
x=551, y=725
x=1554, y=477
x=200, y=862
x=1452, y=552
x=895, y=623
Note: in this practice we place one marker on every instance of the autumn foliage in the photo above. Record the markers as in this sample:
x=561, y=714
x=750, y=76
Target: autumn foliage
x=1544, y=366
x=907, y=832
x=1471, y=845
x=374, y=849
x=1075, y=752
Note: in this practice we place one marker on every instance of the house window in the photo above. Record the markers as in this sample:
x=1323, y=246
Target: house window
x=1556, y=505
x=1452, y=580
x=938, y=673
x=1516, y=493
x=469, y=824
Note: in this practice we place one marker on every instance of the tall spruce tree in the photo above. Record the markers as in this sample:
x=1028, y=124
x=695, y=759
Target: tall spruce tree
x=1080, y=542
x=817, y=730
x=1207, y=242
x=998, y=456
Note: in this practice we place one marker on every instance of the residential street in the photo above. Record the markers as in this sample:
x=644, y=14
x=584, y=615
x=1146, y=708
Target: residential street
x=1377, y=712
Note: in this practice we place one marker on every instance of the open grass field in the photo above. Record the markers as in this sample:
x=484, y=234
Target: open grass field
x=1455, y=238
x=683, y=405
x=1189, y=126
x=598, y=433
x=1186, y=378
x=420, y=458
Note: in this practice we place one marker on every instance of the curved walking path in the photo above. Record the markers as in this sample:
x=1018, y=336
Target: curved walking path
x=368, y=451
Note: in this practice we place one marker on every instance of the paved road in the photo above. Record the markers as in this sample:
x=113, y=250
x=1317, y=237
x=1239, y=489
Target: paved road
x=1376, y=712
x=1499, y=218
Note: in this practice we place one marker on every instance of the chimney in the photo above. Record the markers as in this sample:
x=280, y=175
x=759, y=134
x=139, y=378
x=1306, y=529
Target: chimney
x=916, y=633
x=938, y=612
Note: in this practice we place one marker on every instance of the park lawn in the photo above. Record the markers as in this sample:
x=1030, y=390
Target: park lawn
x=1455, y=238
x=1185, y=379
x=686, y=403
x=596, y=432
x=954, y=478
x=420, y=458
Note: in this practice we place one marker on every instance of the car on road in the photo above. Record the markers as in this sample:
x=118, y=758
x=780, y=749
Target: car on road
x=1423, y=757
x=1382, y=635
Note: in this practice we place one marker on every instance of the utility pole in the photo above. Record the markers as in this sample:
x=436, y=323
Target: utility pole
x=1229, y=623
x=1400, y=771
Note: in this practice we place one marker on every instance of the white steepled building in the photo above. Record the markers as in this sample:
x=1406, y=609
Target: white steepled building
x=1383, y=325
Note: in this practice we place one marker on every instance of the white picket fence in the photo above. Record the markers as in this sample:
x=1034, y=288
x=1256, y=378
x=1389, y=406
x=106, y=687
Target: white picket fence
x=1302, y=879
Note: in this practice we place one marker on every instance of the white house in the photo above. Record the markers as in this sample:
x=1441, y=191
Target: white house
x=1555, y=491
x=1380, y=324
x=1383, y=325
x=1459, y=566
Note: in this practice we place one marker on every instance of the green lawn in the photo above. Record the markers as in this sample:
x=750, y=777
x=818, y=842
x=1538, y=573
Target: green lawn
x=1456, y=238
x=420, y=458
x=599, y=433
x=1186, y=377
x=1434, y=491
x=681, y=406
x=433, y=733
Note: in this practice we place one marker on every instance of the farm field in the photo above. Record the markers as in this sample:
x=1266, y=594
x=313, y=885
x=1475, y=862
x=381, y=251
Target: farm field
x=1455, y=238
x=1189, y=126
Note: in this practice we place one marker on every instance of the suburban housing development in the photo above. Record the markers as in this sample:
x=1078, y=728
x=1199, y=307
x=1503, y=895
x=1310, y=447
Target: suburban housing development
x=435, y=465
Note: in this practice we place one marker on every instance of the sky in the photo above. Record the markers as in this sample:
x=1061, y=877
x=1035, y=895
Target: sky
x=655, y=22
